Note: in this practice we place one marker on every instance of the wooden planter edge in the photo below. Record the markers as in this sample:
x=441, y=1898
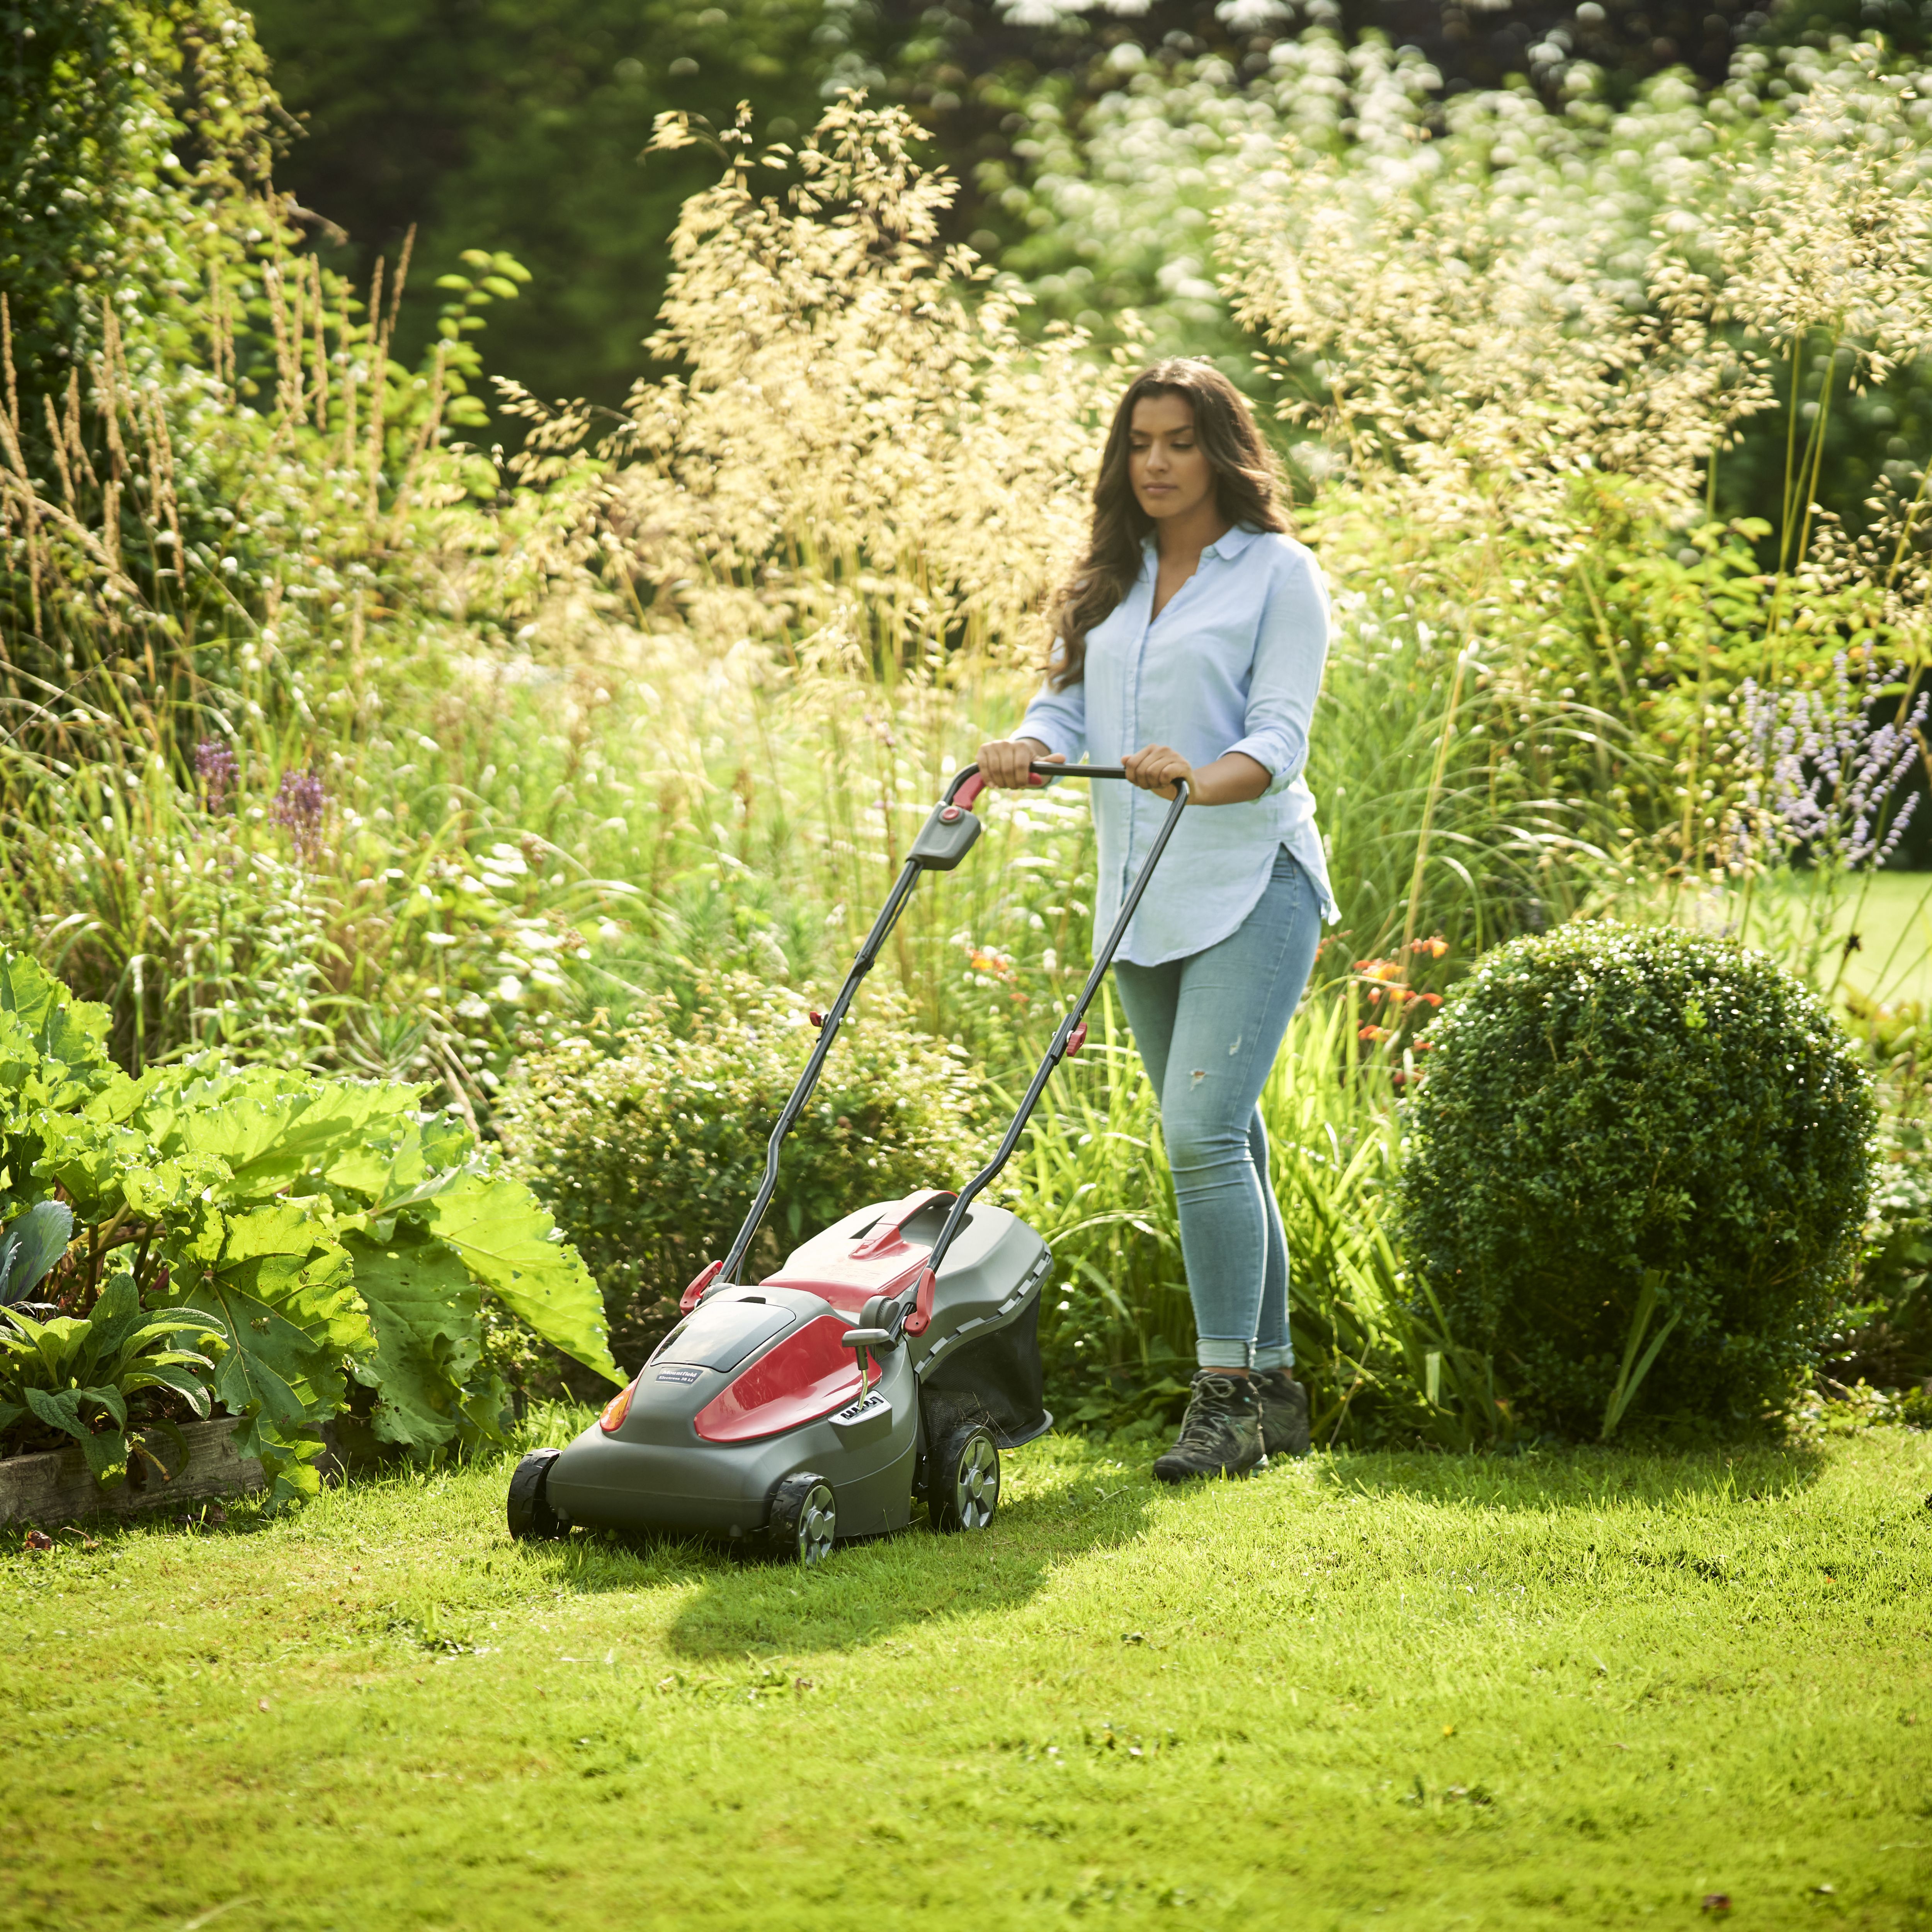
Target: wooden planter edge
x=56, y=1486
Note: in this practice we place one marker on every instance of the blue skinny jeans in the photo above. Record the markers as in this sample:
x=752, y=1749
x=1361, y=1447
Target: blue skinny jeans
x=1208, y=1028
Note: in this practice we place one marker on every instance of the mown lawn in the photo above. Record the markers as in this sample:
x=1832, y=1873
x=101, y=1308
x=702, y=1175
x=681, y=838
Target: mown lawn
x=1387, y=1691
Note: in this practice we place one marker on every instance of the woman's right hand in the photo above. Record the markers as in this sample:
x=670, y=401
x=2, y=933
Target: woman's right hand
x=1003, y=763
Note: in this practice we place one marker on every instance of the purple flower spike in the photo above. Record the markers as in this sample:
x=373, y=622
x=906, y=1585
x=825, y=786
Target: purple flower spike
x=1817, y=772
x=219, y=771
x=300, y=801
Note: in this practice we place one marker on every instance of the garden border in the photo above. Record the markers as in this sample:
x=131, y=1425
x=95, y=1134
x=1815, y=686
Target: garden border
x=55, y=1486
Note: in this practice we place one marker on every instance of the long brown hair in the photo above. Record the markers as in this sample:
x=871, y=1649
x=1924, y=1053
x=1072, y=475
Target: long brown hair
x=1245, y=478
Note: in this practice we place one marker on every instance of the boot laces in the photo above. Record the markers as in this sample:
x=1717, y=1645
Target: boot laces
x=1207, y=1423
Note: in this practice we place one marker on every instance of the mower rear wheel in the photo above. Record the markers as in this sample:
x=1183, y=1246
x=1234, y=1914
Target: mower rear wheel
x=805, y=1520
x=531, y=1519
x=962, y=1483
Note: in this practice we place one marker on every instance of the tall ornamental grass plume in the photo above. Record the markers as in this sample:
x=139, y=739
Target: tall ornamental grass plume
x=1477, y=302
x=1527, y=344
x=1635, y=1178
x=861, y=459
x=1448, y=322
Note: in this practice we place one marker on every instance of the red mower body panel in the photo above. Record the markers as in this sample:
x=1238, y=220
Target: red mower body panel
x=884, y=1257
x=807, y=1374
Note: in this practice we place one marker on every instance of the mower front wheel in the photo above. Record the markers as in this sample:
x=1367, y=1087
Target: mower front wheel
x=962, y=1483
x=805, y=1520
x=531, y=1519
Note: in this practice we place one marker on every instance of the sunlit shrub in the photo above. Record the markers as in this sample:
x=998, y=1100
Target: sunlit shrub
x=1635, y=1174
x=1885, y=1333
x=647, y=1144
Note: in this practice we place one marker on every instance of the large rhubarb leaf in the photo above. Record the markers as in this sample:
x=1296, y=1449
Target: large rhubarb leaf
x=52, y=1055
x=91, y=1161
x=509, y=1243
x=423, y=1306
x=386, y=1173
x=68, y=1037
x=270, y=1128
x=281, y=1286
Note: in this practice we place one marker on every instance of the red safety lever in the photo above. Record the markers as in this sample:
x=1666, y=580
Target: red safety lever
x=977, y=784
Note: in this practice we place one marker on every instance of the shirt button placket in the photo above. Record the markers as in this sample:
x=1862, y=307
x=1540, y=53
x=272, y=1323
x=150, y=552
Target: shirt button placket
x=1133, y=744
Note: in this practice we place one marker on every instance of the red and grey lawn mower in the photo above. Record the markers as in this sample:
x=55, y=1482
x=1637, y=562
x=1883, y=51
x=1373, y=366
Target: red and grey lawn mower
x=889, y=1360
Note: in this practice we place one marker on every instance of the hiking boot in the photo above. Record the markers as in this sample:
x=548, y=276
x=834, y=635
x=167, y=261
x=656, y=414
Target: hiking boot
x=1220, y=1434
x=1284, y=1413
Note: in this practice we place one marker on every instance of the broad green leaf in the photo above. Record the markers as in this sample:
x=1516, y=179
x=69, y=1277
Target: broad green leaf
x=107, y=1453
x=485, y=1412
x=30, y=1245
x=158, y=1192
x=269, y=1127
x=88, y=1159
x=391, y=1173
x=69, y=1036
x=423, y=1306
x=167, y=1372
x=115, y=1316
x=54, y=1343
x=19, y=1058
x=120, y=1098
x=61, y=1408
x=509, y=1243
x=280, y=1285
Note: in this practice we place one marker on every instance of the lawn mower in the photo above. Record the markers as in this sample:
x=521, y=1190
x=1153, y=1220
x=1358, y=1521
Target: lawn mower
x=889, y=1361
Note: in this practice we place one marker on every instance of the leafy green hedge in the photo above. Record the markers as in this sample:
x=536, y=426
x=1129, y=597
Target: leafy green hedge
x=648, y=1143
x=256, y=1239
x=1635, y=1174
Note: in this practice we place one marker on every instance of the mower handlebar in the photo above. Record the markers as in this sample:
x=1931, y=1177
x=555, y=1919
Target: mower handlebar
x=969, y=785
x=947, y=848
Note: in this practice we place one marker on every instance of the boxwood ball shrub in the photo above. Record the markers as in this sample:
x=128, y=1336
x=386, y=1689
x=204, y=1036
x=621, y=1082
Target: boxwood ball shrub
x=1636, y=1146
x=647, y=1142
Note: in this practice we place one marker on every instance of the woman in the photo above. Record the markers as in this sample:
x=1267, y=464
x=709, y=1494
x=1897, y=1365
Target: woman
x=1189, y=646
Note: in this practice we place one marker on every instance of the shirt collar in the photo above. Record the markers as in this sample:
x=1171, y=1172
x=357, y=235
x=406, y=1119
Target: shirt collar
x=1228, y=547
x=1231, y=545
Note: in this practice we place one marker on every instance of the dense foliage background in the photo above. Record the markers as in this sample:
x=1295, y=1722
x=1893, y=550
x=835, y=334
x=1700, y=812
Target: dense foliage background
x=405, y=664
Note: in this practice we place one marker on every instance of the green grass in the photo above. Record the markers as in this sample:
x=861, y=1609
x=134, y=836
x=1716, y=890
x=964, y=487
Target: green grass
x=1894, y=961
x=1388, y=1690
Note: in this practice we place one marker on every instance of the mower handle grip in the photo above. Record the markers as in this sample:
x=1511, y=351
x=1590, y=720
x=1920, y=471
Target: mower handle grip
x=969, y=785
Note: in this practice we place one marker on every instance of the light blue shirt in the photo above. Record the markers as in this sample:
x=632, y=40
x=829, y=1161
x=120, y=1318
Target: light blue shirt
x=1233, y=663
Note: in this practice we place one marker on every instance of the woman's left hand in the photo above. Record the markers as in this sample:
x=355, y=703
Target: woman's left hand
x=1156, y=770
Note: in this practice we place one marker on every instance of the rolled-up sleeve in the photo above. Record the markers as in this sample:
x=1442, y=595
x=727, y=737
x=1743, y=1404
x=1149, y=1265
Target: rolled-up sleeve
x=1058, y=719
x=1291, y=649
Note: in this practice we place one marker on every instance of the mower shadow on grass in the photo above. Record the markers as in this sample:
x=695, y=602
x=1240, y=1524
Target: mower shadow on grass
x=1584, y=1477
x=869, y=1590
